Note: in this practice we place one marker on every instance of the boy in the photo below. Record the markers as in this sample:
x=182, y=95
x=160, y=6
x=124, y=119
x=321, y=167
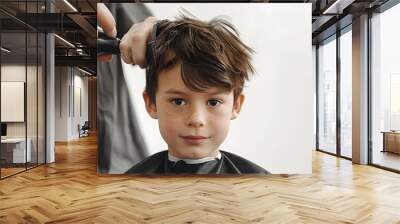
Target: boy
x=194, y=88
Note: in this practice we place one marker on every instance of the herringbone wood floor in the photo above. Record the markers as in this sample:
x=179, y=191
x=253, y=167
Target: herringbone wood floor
x=69, y=191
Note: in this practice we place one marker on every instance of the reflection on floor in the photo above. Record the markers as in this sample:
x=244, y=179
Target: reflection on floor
x=10, y=169
x=347, y=152
x=386, y=159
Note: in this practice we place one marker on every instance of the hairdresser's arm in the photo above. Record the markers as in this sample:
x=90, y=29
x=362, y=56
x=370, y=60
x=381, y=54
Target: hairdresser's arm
x=106, y=21
x=133, y=44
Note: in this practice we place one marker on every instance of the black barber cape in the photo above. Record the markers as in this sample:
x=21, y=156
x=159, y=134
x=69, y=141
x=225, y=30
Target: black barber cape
x=229, y=163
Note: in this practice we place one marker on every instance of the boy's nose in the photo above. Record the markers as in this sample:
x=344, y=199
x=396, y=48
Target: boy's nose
x=196, y=119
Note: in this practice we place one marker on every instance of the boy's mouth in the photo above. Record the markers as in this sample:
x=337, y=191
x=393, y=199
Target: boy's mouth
x=194, y=139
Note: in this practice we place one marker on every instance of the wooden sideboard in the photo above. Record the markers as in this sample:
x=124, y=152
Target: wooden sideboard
x=391, y=141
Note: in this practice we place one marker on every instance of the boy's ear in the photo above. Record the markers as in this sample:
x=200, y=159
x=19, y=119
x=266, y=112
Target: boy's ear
x=150, y=106
x=237, y=106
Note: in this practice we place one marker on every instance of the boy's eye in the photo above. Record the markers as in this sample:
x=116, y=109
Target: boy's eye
x=178, y=102
x=214, y=102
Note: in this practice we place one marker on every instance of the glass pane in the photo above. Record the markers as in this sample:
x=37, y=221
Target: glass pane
x=23, y=87
x=346, y=94
x=31, y=84
x=41, y=99
x=327, y=97
x=31, y=98
x=13, y=87
x=386, y=89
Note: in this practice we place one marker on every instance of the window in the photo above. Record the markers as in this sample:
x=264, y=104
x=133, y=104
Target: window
x=385, y=88
x=346, y=93
x=327, y=96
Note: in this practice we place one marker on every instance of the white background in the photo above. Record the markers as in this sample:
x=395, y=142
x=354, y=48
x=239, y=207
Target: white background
x=275, y=127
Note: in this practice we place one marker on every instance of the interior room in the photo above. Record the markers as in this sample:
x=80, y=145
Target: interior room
x=55, y=103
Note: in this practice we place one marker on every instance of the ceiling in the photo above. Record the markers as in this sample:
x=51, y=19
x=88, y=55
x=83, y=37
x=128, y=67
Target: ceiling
x=72, y=20
x=75, y=22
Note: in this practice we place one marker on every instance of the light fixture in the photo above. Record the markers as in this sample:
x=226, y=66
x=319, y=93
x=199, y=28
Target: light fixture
x=5, y=50
x=79, y=44
x=80, y=51
x=71, y=6
x=84, y=71
x=64, y=40
x=337, y=7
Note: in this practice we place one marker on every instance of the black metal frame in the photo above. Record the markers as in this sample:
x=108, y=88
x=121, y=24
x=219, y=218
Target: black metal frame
x=338, y=98
x=0, y=91
x=26, y=89
x=369, y=91
x=45, y=90
x=37, y=164
x=316, y=97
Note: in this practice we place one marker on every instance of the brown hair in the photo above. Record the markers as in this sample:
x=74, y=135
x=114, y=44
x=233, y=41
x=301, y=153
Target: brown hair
x=211, y=55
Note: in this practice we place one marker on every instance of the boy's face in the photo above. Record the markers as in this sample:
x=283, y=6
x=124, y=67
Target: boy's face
x=193, y=124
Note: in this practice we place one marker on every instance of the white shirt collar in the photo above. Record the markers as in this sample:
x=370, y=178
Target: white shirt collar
x=193, y=161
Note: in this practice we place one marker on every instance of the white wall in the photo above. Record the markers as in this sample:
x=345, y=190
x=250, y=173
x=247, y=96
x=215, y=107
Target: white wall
x=80, y=84
x=17, y=73
x=12, y=99
x=33, y=126
x=68, y=81
x=61, y=103
x=14, y=73
x=275, y=128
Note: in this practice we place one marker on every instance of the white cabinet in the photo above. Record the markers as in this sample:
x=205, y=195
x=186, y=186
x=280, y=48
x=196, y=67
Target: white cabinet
x=17, y=146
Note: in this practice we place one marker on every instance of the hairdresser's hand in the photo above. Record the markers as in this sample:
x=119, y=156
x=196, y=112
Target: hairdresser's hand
x=107, y=23
x=133, y=44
